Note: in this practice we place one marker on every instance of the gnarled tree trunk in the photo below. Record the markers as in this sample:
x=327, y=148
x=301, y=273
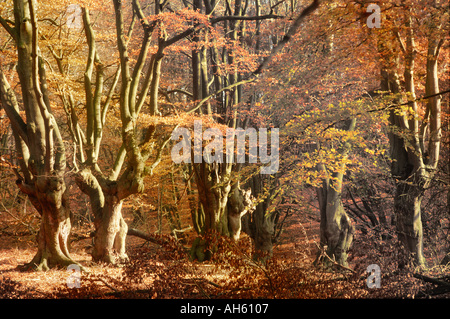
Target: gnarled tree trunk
x=240, y=203
x=110, y=233
x=38, y=141
x=110, y=227
x=259, y=224
x=213, y=187
x=336, y=229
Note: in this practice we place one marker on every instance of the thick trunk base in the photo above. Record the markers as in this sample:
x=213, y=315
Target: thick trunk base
x=110, y=235
x=239, y=204
x=49, y=199
x=261, y=229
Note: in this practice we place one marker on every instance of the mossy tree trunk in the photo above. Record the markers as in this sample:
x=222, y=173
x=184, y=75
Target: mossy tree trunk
x=213, y=187
x=336, y=228
x=40, y=148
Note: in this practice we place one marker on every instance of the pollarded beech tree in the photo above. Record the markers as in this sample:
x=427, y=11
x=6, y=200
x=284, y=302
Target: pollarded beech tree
x=139, y=85
x=41, y=150
x=218, y=87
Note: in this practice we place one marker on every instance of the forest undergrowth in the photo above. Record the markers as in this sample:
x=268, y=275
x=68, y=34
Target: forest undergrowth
x=166, y=271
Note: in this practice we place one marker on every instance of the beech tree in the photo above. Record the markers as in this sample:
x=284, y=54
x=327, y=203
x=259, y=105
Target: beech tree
x=415, y=136
x=107, y=192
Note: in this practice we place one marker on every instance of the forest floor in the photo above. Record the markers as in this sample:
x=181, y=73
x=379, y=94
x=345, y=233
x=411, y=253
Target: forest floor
x=17, y=250
x=156, y=272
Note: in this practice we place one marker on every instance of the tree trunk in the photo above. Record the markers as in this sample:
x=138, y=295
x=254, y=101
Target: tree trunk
x=111, y=231
x=407, y=200
x=213, y=188
x=239, y=204
x=110, y=227
x=261, y=228
x=213, y=192
x=259, y=224
x=336, y=228
x=51, y=202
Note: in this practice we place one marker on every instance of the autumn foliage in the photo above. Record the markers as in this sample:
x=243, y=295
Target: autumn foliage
x=92, y=91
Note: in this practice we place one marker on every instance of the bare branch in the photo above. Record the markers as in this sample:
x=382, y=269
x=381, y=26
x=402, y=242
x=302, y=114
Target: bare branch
x=246, y=18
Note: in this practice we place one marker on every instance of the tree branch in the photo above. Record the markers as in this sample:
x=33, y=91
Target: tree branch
x=432, y=280
x=287, y=37
x=179, y=91
x=49, y=122
x=200, y=26
x=390, y=106
x=149, y=237
x=11, y=30
x=160, y=152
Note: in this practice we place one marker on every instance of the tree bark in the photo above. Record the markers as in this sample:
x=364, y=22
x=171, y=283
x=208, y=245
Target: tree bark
x=111, y=232
x=260, y=224
x=239, y=204
x=407, y=201
x=213, y=189
x=336, y=227
x=55, y=229
x=110, y=227
x=50, y=199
